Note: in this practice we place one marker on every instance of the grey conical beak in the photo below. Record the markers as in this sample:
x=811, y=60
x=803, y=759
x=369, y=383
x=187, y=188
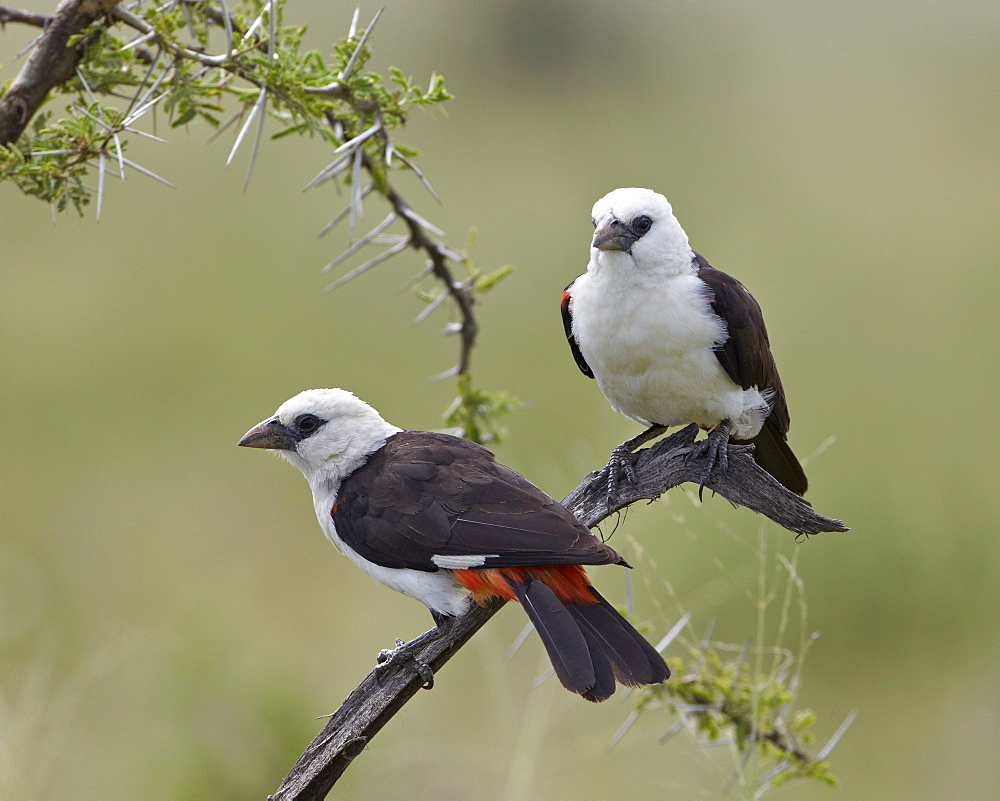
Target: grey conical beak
x=271, y=435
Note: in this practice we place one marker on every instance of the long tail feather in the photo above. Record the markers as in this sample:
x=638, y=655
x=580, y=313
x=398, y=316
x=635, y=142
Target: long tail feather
x=565, y=644
x=771, y=452
x=635, y=662
x=604, y=671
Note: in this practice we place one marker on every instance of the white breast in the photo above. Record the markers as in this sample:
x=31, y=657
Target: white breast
x=651, y=347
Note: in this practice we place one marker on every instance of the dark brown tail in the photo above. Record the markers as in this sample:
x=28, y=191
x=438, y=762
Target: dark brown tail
x=771, y=452
x=589, y=645
x=634, y=661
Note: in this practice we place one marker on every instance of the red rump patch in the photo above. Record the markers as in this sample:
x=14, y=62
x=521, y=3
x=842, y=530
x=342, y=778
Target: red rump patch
x=568, y=582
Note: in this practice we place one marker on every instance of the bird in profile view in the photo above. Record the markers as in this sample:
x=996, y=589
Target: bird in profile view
x=671, y=340
x=437, y=518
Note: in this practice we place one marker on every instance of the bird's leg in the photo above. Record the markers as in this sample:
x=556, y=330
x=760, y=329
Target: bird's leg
x=716, y=450
x=407, y=650
x=620, y=463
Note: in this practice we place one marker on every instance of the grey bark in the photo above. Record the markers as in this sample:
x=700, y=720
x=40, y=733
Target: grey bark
x=50, y=63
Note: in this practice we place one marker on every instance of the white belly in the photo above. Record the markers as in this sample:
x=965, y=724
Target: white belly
x=438, y=591
x=653, y=354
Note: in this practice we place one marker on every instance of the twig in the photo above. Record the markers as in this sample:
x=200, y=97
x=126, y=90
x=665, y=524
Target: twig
x=23, y=17
x=438, y=255
x=386, y=689
x=139, y=24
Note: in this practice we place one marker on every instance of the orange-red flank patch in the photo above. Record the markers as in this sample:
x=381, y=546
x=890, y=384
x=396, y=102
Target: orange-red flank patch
x=568, y=582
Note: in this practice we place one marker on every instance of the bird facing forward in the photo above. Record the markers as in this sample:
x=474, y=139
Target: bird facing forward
x=671, y=340
x=437, y=518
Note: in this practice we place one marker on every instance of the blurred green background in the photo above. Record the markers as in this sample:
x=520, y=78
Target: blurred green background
x=172, y=620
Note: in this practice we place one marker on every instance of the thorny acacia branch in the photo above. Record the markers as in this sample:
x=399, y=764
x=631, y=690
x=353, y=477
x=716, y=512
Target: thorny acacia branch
x=353, y=108
x=386, y=689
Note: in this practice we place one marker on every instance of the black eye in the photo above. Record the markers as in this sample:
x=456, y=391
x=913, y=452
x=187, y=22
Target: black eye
x=641, y=225
x=593, y=223
x=307, y=424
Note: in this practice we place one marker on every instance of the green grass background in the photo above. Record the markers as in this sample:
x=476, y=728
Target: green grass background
x=171, y=619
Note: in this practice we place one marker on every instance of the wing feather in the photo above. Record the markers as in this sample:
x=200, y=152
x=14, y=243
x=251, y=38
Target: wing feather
x=425, y=494
x=746, y=354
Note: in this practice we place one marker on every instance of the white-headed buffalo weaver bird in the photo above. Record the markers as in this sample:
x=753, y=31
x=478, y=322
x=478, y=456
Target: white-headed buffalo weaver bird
x=438, y=518
x=671, y=340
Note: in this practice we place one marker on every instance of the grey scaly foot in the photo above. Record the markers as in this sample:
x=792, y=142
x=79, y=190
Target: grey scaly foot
x=716, y=450
x=620, y=464
x=405, y=651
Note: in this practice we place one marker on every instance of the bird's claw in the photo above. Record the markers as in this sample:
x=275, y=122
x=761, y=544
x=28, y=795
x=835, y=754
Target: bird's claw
x=716, y=451
x=619, y=465
x=400, y=653
x=388, y=654
x=621, y=462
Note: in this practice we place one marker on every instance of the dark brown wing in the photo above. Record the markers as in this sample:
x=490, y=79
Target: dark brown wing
x=567, y=318
x=424, y=495
x=746, y=357
x=746, y=353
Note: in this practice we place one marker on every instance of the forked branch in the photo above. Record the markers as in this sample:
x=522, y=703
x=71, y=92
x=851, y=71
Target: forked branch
x=670, y=462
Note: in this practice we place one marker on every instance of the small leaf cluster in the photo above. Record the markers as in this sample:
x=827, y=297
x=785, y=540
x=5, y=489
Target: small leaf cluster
x=474, y=414
x=58, y=176
x=720, y=700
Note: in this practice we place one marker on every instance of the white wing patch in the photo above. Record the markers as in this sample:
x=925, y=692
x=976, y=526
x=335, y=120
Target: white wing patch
x=463, y=562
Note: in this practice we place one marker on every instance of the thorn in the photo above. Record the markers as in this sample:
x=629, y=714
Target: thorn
x=139, y=112
x=256, y=24
x=451, y=371
x=543, y=677
x=704, y=646
x=228, y=25
x=361, y=242
x=825, y=752
x=410, y=214
x=138, y=41
x=257, y=137
x=430, y=307
x=272, y=32
x=367, y=266
x=118, y=150
x=98, y=120
x=254, y=111
x=144, y=171
x=152, y=68
x=518, y=641
x=633, y=716
x=137, y=132
x=235, y=116
x=357, y=50
x=332, y=224
x=100, y=185
x=671, y=635
x=673, y=730
x=420, y=175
